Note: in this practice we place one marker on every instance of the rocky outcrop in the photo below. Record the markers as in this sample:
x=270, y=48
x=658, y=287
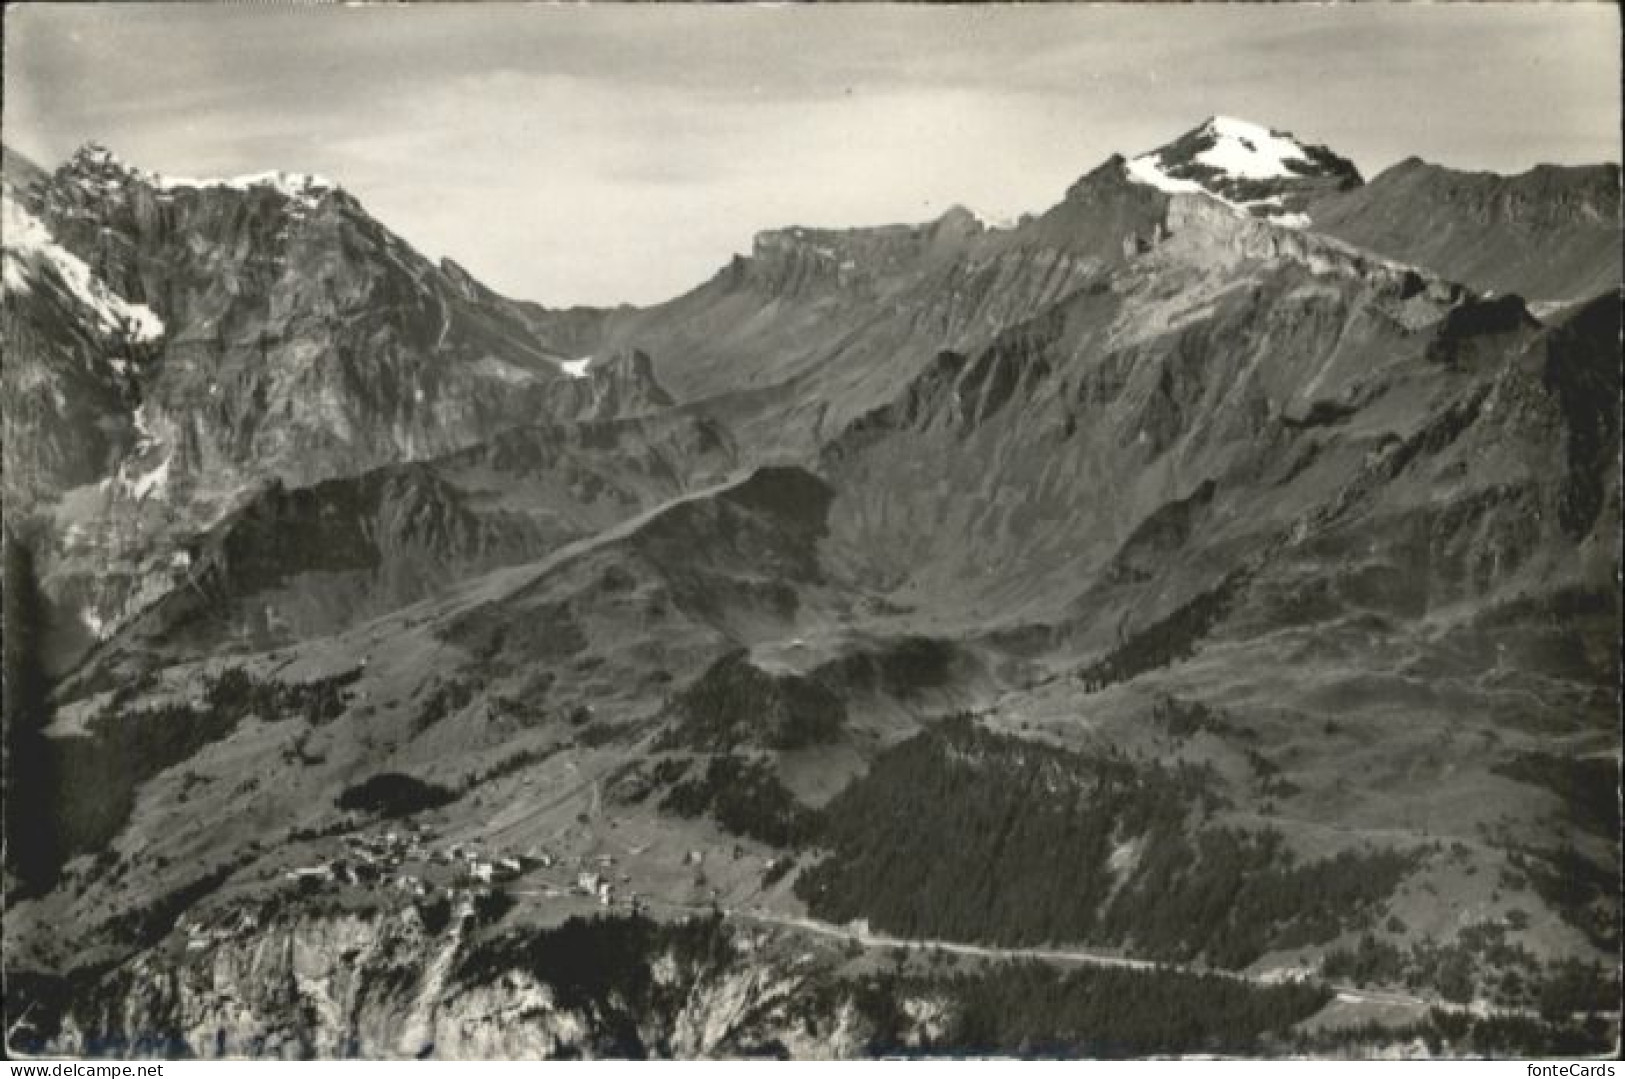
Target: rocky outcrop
x=381, y=984
x=621, y=384
x=1205, y=229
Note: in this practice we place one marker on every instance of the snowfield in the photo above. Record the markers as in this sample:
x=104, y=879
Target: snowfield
x=1148, y=170
x=1249, y=151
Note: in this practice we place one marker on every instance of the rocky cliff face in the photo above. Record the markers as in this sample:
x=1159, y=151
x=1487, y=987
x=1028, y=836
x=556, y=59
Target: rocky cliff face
x=302, y=338
x=374, y=984
x=74, y=345
x=179, y=342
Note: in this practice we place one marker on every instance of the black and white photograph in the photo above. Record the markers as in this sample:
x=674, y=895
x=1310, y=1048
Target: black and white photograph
x=820, y=532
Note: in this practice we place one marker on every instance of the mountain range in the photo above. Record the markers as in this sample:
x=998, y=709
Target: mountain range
x=1217, y=569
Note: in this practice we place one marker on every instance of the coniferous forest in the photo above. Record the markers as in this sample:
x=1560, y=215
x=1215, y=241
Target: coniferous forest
x=963, y=834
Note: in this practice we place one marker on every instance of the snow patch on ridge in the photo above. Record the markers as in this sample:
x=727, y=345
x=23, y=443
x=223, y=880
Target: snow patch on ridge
x=576, y=368
x=302, y=188
x=1147, y=169
x=503, y=371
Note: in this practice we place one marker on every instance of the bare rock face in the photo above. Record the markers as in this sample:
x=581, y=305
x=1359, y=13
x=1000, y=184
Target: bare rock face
x=384, y=985
x=179, y=342
x=621, y=384
x=302, y=339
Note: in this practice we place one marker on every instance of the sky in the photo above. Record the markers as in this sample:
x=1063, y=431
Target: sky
x=586, y=153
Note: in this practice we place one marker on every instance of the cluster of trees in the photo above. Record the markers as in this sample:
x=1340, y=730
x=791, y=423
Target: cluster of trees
x=392, y=794
x=734, y=703
x=1227, y=896
x=95, y=777
x=1498, y=1036
x=1169, y=639
x=1369, y=962
x=235, y=695
x=1589, y=786
x=902, y=669
x=963, y=834
x=507, y=766
x=746, y=797
x=633, y=782
x=1583, y=893
x=1481, y=963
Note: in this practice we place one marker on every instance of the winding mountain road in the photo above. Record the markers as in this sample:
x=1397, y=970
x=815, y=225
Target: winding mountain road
x=1344, y=994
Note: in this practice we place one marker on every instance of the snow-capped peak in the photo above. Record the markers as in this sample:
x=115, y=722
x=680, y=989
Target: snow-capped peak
x=1250, y=167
